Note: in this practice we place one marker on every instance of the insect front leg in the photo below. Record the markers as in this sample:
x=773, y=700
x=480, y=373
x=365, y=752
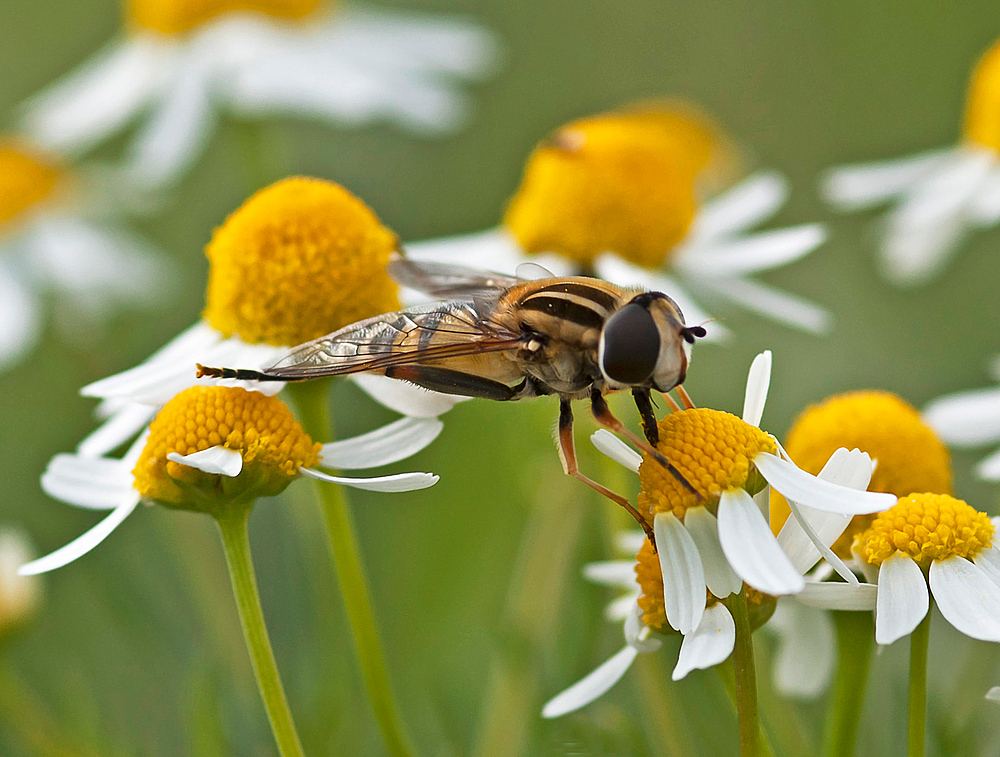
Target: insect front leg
x=645, y=406
x=567, y=455
x=602, y=414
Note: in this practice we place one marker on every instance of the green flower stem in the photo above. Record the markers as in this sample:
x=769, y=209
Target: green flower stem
x=236, y=543
x=918, y=686
x=314, y=413
x=855, y=637
x=746, y=678
x=728, y=677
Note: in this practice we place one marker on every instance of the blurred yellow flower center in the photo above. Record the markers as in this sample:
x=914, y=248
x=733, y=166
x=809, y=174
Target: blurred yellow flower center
x=619, y=182
x=982, y=107
x=712, y=449
x=25, y=180
x=177, y=16
x=298, y=260
x=261, y=428
x=910, y=456
x=926, y=527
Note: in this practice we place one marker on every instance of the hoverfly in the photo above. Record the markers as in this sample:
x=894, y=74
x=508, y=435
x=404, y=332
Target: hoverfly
x=505, y=338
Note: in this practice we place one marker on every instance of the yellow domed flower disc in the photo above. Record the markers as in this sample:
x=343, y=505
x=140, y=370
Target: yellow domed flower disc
x=261, y=428
x=910, y=456
x=619, y=182
x=177, y=16
x=982, y=107
x=712, y=449
x=25, y=180
x=298, y=260
x=926, y=527
x=650, y=578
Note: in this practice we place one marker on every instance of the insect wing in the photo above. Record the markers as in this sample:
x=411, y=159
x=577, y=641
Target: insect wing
x=416, y=335
x=447, y=282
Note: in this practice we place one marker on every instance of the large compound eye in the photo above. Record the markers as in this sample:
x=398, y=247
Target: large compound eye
x=630, y=345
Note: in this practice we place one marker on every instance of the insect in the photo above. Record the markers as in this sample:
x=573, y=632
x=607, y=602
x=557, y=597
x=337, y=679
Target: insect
x=505, y=338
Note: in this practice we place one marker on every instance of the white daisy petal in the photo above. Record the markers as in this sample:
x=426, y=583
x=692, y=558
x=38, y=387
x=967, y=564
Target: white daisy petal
x=620, y=609
x=966, y=419
x=831, y=595
x=92, y=483
x=771, y=303
x=179, y=128
x=611, y=446
x=815, y=492
x=592, y=686
x=637, y=633
x=984, y=207
x=613, y=268
x=611, y=573
x=683, y=575
x=820, y=545
x=751, y=548
x=491, y=250
x=389, y=444
x=967, y=597
x=988, y=561
x=758, y=382
x=865, y=184
x=101, y=96
x=750, y=202
x=719, y=575
x=20, y=319
x=988, y=468
x=214, y=460
x=630, y=541
x=405, y=398
x=806, y=650
x=82, y=544
x=400, y=482
x=993, y=694
x=116, y=430
x=709, y=644
x=902, y=600
x=750, y=254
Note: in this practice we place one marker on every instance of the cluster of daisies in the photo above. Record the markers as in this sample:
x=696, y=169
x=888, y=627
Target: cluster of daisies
x=853, y=513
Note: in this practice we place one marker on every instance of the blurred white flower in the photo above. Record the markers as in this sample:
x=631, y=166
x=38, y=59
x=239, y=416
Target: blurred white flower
x=940, y=195
x=58, y=243
x=621, y=196
x=177, y=65
x=20, y=596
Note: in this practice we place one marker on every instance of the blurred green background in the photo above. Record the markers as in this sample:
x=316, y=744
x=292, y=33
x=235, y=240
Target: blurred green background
x=138, y=649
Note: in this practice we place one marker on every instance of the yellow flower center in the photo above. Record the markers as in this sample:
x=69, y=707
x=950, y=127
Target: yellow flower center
x=714, y=452
x=982, y=107
x=178, y=16
x=647, y=571
x=910, y=456
x=25, y=180
x=619, y=182
x=261, y=428
x=299, y=259
x=926, y=527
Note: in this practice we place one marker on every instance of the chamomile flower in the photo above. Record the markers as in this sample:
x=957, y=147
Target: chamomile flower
x=970, y=419
x=211, y=447
x=908, y=457
x=938, y=541
x=622, y=195
x=298, y=260
x=53, y=245
x=177, y=64
x=712, y=641
x=938, y=196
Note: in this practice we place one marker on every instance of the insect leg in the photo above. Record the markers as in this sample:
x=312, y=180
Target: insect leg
x=448, y=381
x=645, y=407
x=685, y=397
x=602, y=413
x=567, y=455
